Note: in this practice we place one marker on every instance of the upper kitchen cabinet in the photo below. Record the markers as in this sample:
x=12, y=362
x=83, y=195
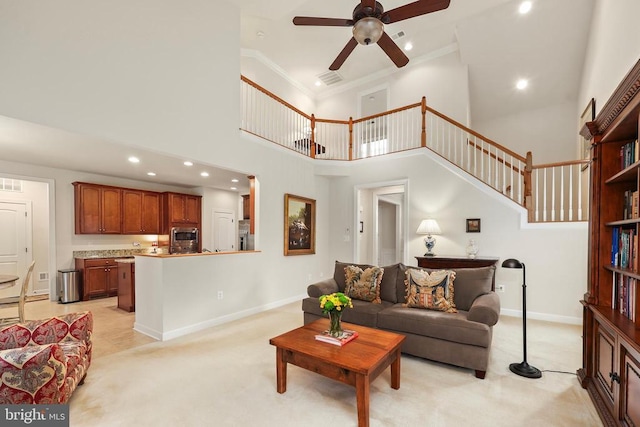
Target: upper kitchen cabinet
x=181, y=210
x=140, y=212
x=97, y=209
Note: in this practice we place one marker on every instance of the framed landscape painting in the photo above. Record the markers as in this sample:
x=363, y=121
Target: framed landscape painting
x=299, y=225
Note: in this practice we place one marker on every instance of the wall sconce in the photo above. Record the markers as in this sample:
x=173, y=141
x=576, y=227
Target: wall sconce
x=429, y=227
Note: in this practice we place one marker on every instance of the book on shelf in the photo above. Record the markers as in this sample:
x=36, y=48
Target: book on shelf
x=347, y=336
x=630, y=208
x=624, y=248
x=629, y=154
x=624, y=295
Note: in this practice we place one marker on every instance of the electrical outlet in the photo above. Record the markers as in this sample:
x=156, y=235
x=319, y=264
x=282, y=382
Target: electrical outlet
x=499, y=288
x=309, y=276
x=220, y=295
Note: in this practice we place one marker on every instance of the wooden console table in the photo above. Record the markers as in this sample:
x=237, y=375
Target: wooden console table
x=445, y=261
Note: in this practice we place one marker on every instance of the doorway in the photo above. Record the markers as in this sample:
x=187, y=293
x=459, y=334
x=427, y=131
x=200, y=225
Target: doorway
x=15, y=247
x=381, y=220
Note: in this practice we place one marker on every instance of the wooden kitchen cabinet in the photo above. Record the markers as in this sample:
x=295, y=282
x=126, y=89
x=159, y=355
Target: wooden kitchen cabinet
x=126, y=286
x=97, y=209
x=99, y=277
x=181, y=210
x=140, y=212
x=246, y=206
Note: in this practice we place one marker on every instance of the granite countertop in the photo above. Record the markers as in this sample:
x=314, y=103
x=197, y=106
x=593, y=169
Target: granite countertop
x=126, y=260
x=114, y=253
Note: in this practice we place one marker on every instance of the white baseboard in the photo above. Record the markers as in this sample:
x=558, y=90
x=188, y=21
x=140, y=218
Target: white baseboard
x=165, y=336
x=543, y=316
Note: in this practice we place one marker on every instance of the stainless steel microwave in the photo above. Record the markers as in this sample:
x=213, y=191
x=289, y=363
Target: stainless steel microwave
x=184, y=240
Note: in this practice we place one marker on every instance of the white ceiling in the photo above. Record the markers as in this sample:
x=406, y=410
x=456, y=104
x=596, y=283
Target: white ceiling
x=499, y=46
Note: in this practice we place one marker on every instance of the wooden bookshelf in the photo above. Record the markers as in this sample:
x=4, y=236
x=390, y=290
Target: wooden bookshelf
x=611, y=325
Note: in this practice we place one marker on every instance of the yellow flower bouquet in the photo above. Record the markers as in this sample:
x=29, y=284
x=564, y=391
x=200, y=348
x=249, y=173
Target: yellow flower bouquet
x=333, y=305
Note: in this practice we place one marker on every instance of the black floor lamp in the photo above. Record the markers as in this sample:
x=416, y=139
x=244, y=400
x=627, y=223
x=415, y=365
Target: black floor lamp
x=523, y=369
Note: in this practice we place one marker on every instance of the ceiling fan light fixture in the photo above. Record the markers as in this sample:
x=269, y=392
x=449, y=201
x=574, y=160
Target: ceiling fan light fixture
x=368, y=30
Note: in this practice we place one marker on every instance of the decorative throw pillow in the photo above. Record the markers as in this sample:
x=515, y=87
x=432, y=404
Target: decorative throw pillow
x=363, y=284
x=431, y=290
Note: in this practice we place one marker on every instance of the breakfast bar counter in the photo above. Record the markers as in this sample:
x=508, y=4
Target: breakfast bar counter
x=179, y=294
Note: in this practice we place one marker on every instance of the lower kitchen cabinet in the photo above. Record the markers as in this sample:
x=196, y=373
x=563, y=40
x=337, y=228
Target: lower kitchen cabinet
x=99, y=277
x=127, y=286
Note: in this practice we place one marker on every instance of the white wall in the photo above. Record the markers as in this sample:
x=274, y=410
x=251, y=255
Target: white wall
x=550, y=133
x=144, y=73
x=259, y=70
x=614, y=47
x=555, y=255
x=443, y=81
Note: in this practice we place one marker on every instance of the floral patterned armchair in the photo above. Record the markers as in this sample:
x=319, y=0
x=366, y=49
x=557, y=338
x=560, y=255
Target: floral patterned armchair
x=43, y=361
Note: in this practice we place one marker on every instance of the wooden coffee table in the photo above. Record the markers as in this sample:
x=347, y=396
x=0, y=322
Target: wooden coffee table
x=357, y=363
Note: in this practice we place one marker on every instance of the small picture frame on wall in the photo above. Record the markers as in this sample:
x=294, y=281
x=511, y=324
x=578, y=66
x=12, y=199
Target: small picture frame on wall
x=361, y=226
x=473, y=225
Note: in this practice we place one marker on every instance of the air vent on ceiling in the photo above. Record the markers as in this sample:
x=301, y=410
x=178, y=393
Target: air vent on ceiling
x=397, y=35
x=330, y=77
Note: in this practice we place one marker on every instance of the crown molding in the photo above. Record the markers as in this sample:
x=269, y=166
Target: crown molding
x=259, y=56
x=618, y=117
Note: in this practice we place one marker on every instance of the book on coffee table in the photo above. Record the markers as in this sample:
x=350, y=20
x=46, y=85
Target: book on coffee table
x=347, y=336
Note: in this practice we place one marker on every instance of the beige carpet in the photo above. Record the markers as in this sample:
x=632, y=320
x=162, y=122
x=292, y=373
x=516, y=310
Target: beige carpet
x=225, y=376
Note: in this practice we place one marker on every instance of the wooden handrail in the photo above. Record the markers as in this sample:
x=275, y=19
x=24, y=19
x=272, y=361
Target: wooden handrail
x=386, y=113
x=498, y=159
x=567, y=163
x=484, y=147
x=275, y=97
x=335, y=122
x=476, y=134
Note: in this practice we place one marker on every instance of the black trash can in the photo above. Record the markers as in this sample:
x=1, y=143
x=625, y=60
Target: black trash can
x=68, y=286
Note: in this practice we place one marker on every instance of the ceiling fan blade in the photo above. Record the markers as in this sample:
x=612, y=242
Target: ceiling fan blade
x=417, y=8
x=342, y=56
x=368, y=3
x=393, y=51
x=325, y=22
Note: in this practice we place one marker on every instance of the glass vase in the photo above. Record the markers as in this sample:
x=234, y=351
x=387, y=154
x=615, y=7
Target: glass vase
x=335, y=324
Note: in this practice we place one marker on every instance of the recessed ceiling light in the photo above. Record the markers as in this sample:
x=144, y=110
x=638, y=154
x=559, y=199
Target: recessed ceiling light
x=151, y=173
x=133, y=159
x=234, y=180
x=408, y=46
x=204, y=174
x=233, y=188
x=318, y=82
x=525, y=7
x=188, y=163
x=522, y=84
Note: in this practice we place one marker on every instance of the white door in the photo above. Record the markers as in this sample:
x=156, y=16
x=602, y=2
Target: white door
x=224, y=231
x=14, y=250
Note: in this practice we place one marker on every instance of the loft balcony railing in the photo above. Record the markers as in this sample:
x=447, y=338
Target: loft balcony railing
x=550, y=192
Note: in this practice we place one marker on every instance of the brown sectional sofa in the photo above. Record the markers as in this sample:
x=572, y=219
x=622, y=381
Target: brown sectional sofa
x=461, y=339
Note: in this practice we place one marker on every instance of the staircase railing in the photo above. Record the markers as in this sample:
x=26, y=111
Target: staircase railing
x=551, y=193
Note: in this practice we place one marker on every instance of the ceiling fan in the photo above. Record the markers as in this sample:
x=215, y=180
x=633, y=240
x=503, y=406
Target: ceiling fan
x=368, y=22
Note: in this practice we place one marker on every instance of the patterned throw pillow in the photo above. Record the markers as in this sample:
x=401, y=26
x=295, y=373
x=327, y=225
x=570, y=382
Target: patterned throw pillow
x=363, y=284
x=433, y=290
